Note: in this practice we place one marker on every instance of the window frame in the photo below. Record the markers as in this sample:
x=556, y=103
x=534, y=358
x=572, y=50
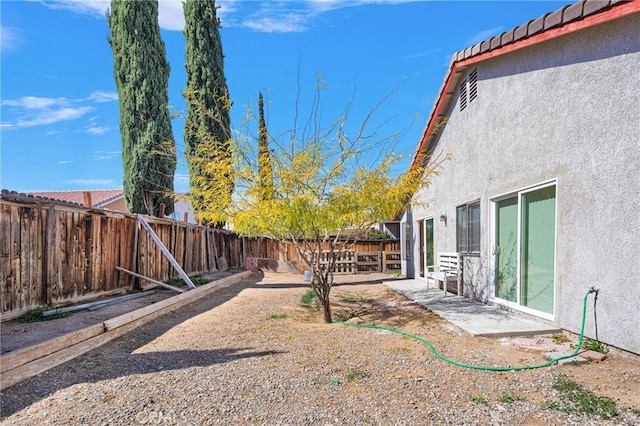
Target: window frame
x=468, y=232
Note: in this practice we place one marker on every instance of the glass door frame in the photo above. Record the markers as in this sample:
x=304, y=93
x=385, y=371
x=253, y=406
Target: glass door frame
x=422, y=250
x=493, y=274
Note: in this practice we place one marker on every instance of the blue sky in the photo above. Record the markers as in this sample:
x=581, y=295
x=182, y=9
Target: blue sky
x=59, y=108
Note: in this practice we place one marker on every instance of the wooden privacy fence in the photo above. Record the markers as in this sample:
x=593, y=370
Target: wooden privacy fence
x=60, y=253
x=56, y=253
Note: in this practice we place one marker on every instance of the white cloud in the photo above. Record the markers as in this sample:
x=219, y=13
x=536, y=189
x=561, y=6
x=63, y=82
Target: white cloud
x=100, y=96
x=65, y=161
x=9, y=38
x=289, y=23
x=97, y=130
x=270, y=16
x=46, y=117
x=482, y=36
x=105, y=155
x=33, y=111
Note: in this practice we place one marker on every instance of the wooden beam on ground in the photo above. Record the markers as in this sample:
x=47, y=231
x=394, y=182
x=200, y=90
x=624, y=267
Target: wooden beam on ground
x=97, y=303
x=26, y=363
x=160, y=283
x=166, y=252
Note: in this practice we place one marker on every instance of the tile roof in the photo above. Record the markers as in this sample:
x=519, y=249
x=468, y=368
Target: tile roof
x=562, y=16
x=99, y=197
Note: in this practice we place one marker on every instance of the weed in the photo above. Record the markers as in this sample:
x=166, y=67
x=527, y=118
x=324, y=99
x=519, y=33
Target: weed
x=479, y=399
x=179, y=282
x=356, y=373
x=594, y=345
x=574, y=398
x=278, y=316
x=35, y=315
x=508, y=398
x=310, y=300
x=356, y=299
x=560, y=339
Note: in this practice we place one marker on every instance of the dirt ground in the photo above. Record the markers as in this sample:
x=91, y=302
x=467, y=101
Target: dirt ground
x=15, y=335
x=360, y=299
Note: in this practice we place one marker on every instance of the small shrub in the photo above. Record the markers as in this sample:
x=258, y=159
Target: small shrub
x=310, y=300
x=35, y=315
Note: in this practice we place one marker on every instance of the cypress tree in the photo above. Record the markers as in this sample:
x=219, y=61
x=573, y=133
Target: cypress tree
x=142, y=77
x=265, y=171
x=207, y=132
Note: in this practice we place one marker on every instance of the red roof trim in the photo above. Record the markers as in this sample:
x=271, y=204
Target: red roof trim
x=620, y=10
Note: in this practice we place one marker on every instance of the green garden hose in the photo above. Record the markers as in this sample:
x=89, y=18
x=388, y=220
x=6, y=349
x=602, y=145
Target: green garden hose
x=481, y=367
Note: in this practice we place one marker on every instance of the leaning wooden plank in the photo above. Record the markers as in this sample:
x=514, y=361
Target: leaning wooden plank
x=166, y=252
x=94, y=304
x=160, y=283
x=12, y=360
x=121, y=299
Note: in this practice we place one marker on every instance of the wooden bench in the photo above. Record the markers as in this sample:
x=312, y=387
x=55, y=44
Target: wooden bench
x=449, y=269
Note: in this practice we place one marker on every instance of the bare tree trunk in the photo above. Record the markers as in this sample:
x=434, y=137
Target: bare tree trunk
x=326, y=308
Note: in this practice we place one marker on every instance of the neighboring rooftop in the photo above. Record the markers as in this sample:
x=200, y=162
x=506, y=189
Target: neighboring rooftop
x=99, y=197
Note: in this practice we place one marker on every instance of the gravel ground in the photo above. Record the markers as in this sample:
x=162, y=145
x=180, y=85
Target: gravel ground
x=249, y=354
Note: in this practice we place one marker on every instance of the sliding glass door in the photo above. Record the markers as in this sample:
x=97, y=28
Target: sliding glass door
x=524, y=248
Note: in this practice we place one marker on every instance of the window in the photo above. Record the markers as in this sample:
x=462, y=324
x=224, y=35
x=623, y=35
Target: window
x=468, y=228
x=406, y=230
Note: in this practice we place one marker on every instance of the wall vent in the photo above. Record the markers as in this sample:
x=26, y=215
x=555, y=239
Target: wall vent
x=463, y=94
x=473, y=85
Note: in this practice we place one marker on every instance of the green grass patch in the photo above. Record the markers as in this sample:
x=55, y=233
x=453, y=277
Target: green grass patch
x=576, y=399
x=278, y=316
x=35, y=315
x=179, y=282
x=356, y=373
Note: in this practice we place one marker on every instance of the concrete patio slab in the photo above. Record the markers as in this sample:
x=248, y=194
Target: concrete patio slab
x=476, y=318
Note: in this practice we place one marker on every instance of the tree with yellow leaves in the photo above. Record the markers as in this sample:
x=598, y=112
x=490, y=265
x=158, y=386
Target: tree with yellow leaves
x=328, y=184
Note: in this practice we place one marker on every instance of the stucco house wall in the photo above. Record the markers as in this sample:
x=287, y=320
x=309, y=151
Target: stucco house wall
x=563, y=111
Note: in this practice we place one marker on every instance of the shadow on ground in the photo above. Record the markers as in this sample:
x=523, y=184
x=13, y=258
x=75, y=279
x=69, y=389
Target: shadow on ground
x=116, y=358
